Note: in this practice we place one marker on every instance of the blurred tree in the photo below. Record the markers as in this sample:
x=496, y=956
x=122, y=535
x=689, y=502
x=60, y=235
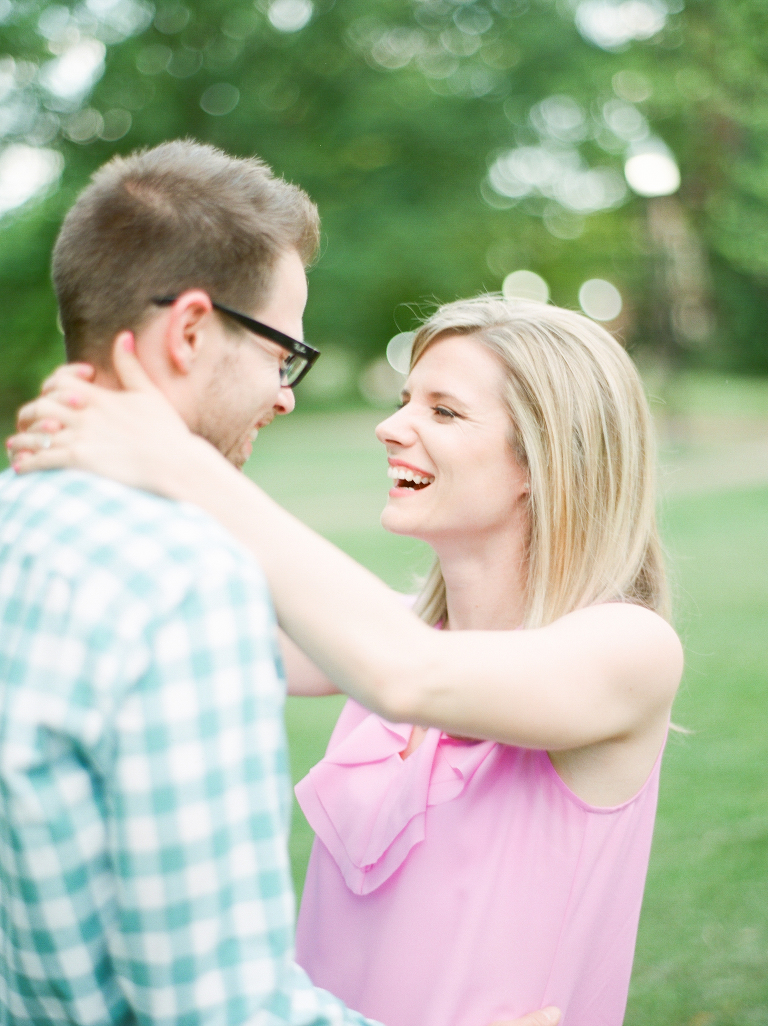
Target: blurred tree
x=447, y=142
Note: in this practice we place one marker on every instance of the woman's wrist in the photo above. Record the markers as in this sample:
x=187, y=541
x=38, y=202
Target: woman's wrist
x=194, y=474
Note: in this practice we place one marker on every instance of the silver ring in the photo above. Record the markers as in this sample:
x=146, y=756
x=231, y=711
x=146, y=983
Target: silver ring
x=46, y=442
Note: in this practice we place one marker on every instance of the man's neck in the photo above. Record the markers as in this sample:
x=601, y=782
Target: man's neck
x=106, y=377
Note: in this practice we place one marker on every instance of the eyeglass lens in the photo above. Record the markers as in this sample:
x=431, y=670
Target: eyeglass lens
x=291, y=368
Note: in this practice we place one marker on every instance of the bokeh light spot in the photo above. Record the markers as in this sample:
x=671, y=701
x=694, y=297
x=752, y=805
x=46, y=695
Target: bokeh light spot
x=119, y=19
x=612, y=24
x=171, y=18
x=525, y=285
x=559, y=117
x=26, y=171
x=558, y=174
x=117, y=123
x=600, y=300
x=625, y=121
x=474, y=20
x=631, y=86
x=153, y=59
x=220, y=99
x=7, y=76
x=399, y=351
x=290, y=15
x=84, y=125
x=396, y=47
x=437, y=64
x=185, y=62
x=71, y=75
x=54, y=21
x=652, y=174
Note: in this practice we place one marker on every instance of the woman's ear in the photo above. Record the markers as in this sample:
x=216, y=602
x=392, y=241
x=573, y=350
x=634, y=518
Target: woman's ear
x=185, y=327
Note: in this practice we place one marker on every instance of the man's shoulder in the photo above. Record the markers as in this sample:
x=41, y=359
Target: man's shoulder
x=55, y=494
x=76, y=501
x=99, y=522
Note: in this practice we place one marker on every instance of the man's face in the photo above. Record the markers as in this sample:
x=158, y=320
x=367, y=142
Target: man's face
x=239, y=379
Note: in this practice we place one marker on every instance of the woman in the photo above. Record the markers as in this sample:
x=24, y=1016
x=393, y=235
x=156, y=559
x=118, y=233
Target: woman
x=522, y=453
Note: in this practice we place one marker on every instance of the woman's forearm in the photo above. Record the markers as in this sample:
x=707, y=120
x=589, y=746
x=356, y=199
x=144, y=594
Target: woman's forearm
x=303, y=677
x=595, y=674
x=342, y=616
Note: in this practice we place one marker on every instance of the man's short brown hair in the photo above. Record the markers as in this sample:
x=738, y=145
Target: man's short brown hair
x=157, y=222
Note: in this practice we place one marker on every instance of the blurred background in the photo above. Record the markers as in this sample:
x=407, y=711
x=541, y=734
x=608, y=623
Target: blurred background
x=613, y=149
x=610, y=155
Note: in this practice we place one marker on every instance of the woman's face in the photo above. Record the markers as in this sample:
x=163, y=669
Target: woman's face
x=454, y=473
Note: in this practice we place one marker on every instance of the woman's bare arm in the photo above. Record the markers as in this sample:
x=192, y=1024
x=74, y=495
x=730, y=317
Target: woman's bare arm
x=302, y=676
x=597, y=674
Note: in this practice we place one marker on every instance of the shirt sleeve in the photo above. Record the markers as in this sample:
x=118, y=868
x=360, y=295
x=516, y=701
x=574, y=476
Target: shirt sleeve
x=198, y=813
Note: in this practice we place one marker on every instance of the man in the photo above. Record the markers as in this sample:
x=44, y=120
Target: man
x=144, y=796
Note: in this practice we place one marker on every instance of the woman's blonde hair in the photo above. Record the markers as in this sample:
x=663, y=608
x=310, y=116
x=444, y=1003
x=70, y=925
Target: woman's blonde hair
x=581, y=426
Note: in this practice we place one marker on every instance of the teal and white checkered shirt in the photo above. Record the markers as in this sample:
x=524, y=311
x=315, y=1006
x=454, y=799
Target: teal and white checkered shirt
x=144, y=791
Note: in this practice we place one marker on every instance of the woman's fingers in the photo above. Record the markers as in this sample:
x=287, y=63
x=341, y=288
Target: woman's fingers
x=46, y=459
x=130, y=373
x=59, y=378
x=70, y=388
x=39, y=437
x=56, y=407
x=32, y=441
x=39, y=450
x=125, y=433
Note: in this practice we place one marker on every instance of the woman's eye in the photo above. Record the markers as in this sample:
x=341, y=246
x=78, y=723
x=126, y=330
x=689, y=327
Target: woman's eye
x=441, y=411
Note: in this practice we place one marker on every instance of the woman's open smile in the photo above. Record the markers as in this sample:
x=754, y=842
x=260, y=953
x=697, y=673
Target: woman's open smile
x=407, y=477
x=450, y=460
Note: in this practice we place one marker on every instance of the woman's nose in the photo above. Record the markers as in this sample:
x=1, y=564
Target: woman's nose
x=397, y=428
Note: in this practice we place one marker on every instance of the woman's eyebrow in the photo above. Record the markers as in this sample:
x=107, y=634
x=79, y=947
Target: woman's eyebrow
x=439, y=397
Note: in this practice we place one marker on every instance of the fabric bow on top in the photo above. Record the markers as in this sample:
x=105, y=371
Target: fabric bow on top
x=368, y=805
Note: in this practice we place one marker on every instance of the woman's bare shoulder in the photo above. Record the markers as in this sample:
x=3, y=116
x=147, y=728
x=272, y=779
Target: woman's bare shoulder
x=636, y=644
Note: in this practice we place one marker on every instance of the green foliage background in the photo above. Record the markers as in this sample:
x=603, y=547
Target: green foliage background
x=395, y=151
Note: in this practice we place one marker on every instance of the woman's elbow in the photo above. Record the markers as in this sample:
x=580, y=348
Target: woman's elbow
x=395, y=695
x=398, y=682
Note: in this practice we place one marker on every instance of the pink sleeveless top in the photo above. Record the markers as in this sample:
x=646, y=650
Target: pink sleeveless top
x=466, y=883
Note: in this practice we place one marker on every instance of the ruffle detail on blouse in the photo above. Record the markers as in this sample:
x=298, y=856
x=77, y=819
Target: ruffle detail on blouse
x=368, y=805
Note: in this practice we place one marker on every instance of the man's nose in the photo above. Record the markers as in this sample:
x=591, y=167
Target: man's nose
x=286, y=400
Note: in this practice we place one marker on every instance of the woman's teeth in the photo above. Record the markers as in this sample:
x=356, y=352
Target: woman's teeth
x=403, y=474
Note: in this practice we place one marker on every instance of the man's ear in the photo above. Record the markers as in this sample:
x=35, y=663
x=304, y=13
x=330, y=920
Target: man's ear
x=185, y=328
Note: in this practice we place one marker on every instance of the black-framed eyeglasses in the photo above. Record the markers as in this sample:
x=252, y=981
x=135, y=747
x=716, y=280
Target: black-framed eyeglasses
x=293, y=368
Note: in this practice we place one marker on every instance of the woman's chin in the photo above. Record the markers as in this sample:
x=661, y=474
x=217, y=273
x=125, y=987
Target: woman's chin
x=398, y=521
x=392, y=520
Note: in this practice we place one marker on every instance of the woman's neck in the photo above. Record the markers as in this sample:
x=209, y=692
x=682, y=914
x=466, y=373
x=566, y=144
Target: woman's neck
x=485, y=587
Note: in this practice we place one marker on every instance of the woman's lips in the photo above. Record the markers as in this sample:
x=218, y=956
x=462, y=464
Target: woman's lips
x=408, y=478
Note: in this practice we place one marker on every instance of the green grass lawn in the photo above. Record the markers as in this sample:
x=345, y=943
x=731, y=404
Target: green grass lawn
x=702, y=957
